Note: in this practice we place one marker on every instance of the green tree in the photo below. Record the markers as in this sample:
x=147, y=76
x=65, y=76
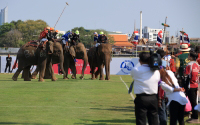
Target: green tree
x=6, y=27
x=16, y=23
x=12, y=39
x=21, y=32
x=87, y=36
x=31, y=29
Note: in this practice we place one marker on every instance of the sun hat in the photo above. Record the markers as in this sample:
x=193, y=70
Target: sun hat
x=184, y=47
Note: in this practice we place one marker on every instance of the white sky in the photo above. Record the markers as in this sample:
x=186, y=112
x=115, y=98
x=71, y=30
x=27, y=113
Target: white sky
x=111, y=15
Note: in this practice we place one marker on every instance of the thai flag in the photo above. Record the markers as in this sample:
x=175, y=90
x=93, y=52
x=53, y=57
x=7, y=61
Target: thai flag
x=159, y=39
x=184, y=39
x=135, y=41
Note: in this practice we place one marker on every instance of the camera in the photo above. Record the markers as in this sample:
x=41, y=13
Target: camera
x=155, y=60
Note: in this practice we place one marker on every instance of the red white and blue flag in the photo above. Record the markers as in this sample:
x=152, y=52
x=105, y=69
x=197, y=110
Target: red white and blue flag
x=135, y=41
x=184, y=39
x=159, y=39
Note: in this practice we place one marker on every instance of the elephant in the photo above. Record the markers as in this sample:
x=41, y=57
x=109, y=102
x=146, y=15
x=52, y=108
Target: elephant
x=33, y=54
x=80, y=53
x=100, y=58
x=57, y=57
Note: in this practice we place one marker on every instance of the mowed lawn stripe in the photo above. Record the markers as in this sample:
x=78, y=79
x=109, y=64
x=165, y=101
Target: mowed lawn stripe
x=65, y=101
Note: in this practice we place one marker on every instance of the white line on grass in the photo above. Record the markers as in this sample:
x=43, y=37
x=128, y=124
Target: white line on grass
x=127, y=88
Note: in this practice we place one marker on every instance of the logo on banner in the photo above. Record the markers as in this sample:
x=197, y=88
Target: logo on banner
x=126, y=66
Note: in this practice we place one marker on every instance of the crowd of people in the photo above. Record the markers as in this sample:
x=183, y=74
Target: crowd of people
x=164, y=84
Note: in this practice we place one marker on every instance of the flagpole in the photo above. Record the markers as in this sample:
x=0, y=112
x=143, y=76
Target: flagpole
x=164, y=30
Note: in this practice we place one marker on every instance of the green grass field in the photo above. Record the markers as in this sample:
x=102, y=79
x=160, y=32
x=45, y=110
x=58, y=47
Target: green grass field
x=66, y=102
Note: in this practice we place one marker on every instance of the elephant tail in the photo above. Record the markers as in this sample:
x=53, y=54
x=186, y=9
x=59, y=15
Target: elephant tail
x=15, y=64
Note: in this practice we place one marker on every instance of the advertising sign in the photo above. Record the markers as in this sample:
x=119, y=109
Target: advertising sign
x=118, y=66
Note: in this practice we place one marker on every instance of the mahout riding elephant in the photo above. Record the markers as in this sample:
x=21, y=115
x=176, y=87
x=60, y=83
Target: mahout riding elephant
x=79, y=52
x=57, y=57
x=33, y=54
x=99, y=59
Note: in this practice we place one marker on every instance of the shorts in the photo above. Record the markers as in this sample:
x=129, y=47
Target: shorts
x=43, y=39
x=63, y=40
x=97, y=44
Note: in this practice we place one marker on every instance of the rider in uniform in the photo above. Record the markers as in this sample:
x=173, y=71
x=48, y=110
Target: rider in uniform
x=50, y=40
x=74, y=37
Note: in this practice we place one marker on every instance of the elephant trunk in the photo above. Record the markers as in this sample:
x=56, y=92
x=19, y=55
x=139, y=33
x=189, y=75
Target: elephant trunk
x=107, y=66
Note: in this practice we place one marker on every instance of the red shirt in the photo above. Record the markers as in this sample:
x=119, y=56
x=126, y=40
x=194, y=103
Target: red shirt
x=194, y=80
x=172, y=65
x=161, y=92
x=43, y=34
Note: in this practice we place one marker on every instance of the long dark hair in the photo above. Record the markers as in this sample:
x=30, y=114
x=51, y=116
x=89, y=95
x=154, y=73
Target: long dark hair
x=166, y=78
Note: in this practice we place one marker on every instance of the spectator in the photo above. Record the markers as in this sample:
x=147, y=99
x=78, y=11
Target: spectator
x=162, y=112
x=192, y=70
x=172, y=64
x=167, y=57
x=8, y=63
x=181, y=62
x=146, y=89
x=176, y=98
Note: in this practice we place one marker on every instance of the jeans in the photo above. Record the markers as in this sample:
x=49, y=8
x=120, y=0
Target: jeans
x=162, y=113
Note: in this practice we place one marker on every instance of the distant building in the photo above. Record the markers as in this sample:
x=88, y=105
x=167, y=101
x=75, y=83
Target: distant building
x=4, y=16
x=152, y=34
x=60, y=32
x=194, y=40
x=121, y=40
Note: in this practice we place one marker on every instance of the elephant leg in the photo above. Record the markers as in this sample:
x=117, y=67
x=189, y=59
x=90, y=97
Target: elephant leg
x=93, y=72
x=42, y=68
x=107, y=70
x=22, y=74
x=48, y=72
x=17, y=73
x=66, y=68
x=53, y=78
x=73, y=68
x=26, y=73
x=97, y=73
x=101, y=72
x=63, y=71
x=34, y=74
x=85, y=59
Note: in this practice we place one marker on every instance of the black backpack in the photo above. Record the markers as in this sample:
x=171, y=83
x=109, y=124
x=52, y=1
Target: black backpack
x=155, y=61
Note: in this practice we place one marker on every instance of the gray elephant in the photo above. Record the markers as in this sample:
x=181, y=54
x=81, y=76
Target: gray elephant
x=99, y=59
x=33, y=54
x=57, y=57
x=80, y=53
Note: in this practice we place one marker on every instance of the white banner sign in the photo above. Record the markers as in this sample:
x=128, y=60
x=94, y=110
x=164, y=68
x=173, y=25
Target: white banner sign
x=123, y=66
x=118, y=66
x=3, y=64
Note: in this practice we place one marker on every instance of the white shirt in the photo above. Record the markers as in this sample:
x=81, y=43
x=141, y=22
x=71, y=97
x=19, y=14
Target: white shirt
x=176, y=96
x=145, y=80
